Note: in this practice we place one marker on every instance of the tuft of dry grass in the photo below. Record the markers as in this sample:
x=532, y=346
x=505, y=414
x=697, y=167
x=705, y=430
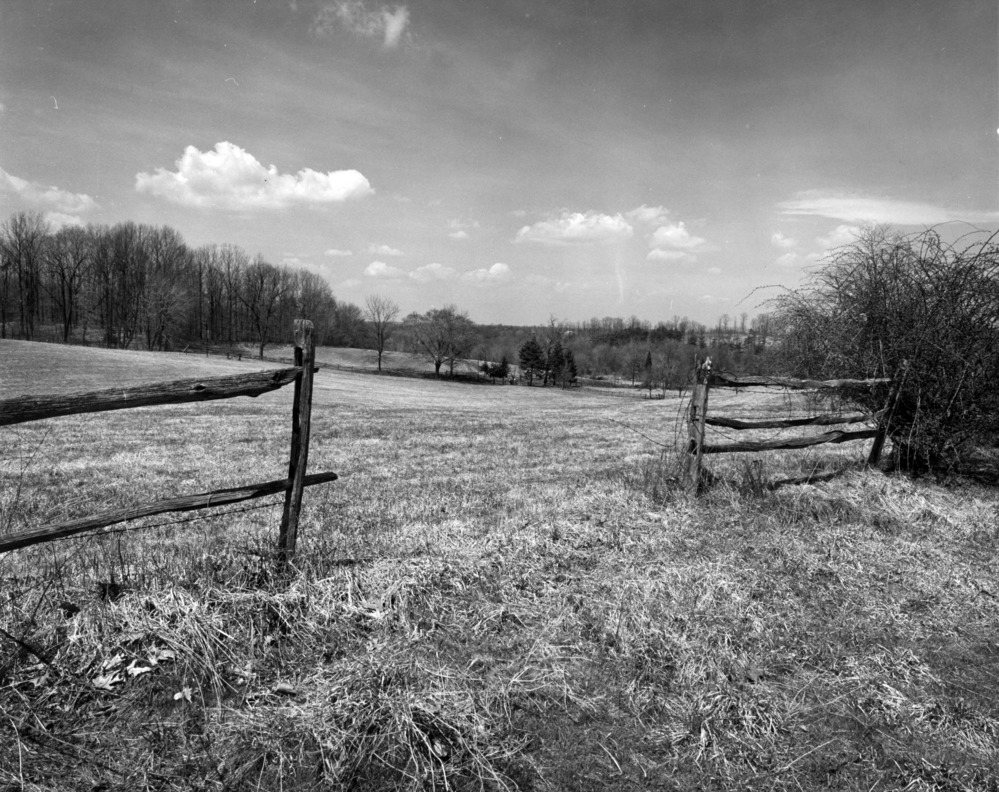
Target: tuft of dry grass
x=506, y=589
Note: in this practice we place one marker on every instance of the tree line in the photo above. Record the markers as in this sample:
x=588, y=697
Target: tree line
x=131, y=284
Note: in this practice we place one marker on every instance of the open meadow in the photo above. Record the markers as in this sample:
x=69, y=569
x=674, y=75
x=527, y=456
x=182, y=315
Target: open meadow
x=505, y=589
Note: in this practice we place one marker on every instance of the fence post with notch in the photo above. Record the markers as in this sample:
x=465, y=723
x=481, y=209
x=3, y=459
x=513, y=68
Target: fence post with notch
x=301, y=420
x=696, y=427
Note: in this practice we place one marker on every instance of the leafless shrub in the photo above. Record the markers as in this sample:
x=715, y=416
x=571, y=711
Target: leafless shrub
x=914, y=308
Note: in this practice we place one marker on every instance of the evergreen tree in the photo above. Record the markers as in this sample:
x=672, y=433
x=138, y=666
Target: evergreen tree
x=532, y=359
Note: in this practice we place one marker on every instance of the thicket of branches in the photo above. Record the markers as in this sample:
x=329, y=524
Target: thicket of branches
x=138, y=285
x=912, y=308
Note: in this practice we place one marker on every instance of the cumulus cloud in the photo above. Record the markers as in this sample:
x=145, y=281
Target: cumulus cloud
x=675, y=236
x=650, y=215
x=334, y=252
x=860, y=209
x=577, y=228
x=460, y=234
x=379, y=269
x=497, y=272
x=778, y=240
x=673, y=242
x=228, y=177
x=384, y=250
x=354, y=16
x=433, y=272
x=54, y=199
x=842, y=234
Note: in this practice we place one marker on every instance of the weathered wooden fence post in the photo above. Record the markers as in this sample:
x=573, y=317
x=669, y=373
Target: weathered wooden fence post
x=698, y=414
x=884, y=423
x=301, y=418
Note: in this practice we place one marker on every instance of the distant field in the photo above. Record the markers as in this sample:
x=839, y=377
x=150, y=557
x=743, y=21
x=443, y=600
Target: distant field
x=505, y=589
x=367, y=360
x=32, y=368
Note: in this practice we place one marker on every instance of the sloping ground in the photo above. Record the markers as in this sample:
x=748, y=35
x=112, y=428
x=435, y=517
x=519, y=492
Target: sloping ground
x=366, y=360
x=504, y=589
x=29, y=368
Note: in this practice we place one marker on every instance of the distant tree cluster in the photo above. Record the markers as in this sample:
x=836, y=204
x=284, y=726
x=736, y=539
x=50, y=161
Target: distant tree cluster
x=657, y=356
x=548, y=359
x=138, y=285
x=444, y=335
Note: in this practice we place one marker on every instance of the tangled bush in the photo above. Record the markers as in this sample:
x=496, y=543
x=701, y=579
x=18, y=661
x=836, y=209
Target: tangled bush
x=916, y=309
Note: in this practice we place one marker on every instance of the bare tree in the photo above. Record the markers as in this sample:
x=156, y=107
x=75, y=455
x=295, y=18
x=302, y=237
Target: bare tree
x=264, y=287
x=167, y=299
x=22, y=239
x=314, y=301
x=68, y=258
x=443, y=334
x=381, y=313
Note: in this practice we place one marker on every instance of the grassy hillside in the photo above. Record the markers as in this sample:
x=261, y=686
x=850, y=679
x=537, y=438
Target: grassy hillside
x=504, y=590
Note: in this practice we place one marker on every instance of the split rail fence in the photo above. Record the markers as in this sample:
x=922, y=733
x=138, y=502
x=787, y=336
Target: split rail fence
x=698, y=446
x=35, y=408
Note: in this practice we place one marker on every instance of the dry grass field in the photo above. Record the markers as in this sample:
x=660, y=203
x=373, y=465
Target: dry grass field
x=504, y=590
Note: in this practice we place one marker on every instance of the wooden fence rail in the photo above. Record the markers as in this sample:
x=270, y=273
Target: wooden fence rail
x=699, y=420
x=35, y=408
x=204, y=500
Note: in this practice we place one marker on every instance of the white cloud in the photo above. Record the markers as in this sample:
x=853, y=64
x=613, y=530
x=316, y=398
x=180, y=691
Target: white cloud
x=497, y=272
x=459, y=228
x=334, y=252
x=778, y=240
x=675, y=236
x=386, y=23
x=789, y=260
x=52, y=198
x=3, y=107
x=714, y=271
x=396, y=21
x=841, y=235
x=383, y=250
x=433, y=272
x=673, y=242
x=711, y=299
x=860, y=209
x=379, y=269
x=577, y=227
x=229, y=177
x=59, y=220
x=648, y=214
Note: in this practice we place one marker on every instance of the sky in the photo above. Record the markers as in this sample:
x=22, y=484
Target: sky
x=520, y=159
